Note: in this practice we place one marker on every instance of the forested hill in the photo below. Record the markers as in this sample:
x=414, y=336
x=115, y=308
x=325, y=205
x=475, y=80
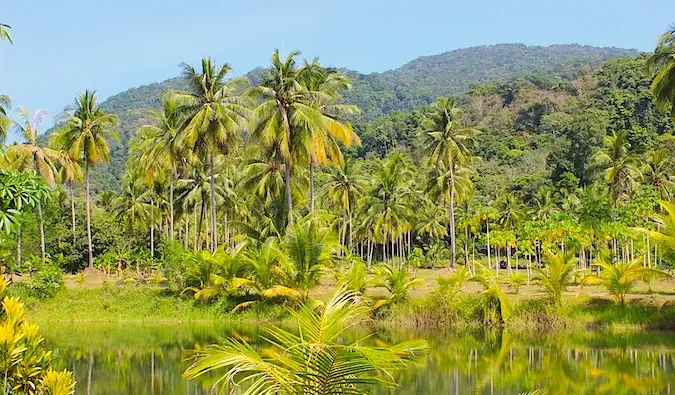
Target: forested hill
x=411, y=86
x=422, y=80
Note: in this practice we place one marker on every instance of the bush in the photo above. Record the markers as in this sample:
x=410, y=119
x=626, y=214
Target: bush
x=45, y=282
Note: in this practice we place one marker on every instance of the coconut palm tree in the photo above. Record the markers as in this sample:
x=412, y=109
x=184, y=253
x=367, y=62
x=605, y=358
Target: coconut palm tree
x=314, y=361
x=387, y=200
x=295, y=120
x=657, y=170
x=214, y=114
x=31, y=157
x=661, y=65
x=86, y=135
x=447, y=142
x=343, y=187
x=323, y=90
x=163, y=146
x=618, y=164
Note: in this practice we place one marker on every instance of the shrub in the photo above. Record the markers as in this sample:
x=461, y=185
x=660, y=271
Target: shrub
x=45, y=282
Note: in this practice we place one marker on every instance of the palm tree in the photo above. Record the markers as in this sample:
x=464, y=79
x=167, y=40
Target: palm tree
x=447, y=142
x=387, y=201
x=314, y=361
x=86, y=135
x=310, y=246
x=665, y=236
x=298, y=122
x=558, y=274
x=397, y=281
x=618, y=164
x=31, y=157
x=511, y=215
x=323, y=88
x=661, y=65
x=344, y=186
x=620, y=279
x=214, y=113
x=163, y=145
x=657, y=170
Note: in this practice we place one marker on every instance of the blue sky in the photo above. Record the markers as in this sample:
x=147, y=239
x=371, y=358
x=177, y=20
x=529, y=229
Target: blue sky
x=63, y=47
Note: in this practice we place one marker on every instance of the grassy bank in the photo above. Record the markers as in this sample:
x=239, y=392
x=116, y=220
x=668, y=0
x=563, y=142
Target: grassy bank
x=142, y=304
x=431, y=311
x=534, y=314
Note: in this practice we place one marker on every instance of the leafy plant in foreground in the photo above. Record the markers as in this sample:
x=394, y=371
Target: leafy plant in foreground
x=25, y=367
x=311, y=362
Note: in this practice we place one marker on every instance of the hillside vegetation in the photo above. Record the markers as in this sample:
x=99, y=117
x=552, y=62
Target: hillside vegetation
x=409, y=87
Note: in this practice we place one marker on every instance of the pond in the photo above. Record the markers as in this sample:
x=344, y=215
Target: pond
x=142, y=359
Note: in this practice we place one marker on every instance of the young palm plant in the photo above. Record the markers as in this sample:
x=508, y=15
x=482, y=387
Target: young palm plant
x=397, y=281
x=497, y=307
x=558, y=274
x=620, y=278
x=315, y=361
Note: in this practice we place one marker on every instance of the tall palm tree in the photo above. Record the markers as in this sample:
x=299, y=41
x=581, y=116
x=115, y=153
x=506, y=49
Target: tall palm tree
x=343, y=188
x=657, y=169
x=163, y=145
x=86, y=135
x=214, y=112
x=661, y=65
x=618, y=163
x=447, y=142
x=324, y=87
x=31, y=157
x=387, y=200
x=299, y=122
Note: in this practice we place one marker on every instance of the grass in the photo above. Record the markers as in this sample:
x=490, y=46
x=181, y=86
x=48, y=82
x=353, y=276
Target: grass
x=99, y=300
x=144, y=305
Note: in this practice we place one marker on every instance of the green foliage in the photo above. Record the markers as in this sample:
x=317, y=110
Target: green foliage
x=316, y=360
x=558, y=274
x=45, y=282
x=25, y=366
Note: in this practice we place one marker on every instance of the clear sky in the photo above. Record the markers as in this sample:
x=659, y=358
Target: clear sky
x=63, y=47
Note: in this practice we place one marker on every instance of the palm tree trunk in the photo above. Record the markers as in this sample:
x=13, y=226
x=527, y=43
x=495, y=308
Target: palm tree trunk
x=72, y=209
x=152, y=229
x=508, y=258
x=311, y=185
x=351, y=230
x=90, y=251
x=214, y=233
x=466, y=247
x=287, y=165
x=42, y=232
x=487, y=222
x=452, y=216
x=186, y=236
x=171, y=205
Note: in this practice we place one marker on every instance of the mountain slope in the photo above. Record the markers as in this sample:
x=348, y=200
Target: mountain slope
x=413, y=85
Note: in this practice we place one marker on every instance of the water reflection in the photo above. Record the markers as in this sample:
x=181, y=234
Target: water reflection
x=124, y=359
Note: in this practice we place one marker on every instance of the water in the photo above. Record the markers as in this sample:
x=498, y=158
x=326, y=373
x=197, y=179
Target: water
x=133, y=359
